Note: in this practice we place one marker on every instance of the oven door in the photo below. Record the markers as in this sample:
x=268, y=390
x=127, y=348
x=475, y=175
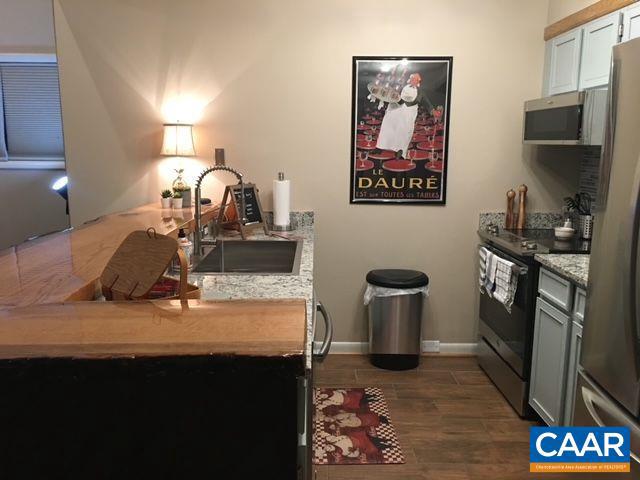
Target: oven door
x=554, y=120
x=509, y=332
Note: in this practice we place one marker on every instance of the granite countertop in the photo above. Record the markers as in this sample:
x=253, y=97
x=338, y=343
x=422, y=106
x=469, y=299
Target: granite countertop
x=244, y=287
x=571, y=267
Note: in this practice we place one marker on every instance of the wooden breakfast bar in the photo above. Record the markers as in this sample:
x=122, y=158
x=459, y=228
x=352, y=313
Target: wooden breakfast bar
x=146, y=389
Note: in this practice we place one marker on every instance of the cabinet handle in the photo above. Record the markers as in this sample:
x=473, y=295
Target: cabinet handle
x=328, y=333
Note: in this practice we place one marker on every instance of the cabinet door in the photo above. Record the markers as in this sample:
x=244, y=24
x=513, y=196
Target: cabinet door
x=572, y=371
x=631, y=23
x=598, y=39
x=548, y=369
x=565, y=62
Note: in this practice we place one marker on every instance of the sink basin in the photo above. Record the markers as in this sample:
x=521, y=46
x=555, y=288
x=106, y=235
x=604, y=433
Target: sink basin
x=252, y=257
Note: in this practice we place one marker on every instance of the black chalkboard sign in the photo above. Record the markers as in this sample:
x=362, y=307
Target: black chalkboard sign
x=253, y=210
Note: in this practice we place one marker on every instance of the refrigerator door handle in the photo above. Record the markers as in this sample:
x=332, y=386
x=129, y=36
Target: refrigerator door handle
x=631, y=277
x=613, y=418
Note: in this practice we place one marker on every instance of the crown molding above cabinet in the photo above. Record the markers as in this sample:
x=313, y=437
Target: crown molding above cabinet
x=597, y=10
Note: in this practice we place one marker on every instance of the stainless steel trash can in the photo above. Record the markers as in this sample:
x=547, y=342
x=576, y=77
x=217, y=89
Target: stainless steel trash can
x=395, y=319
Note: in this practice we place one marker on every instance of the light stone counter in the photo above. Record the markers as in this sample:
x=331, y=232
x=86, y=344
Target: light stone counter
x=571, y=267
x=245, y=287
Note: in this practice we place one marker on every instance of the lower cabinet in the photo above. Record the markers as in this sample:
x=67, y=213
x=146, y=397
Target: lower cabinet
x=572, y=371
x=548, y=369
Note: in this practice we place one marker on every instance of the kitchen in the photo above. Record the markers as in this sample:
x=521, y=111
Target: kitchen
x=128, y=68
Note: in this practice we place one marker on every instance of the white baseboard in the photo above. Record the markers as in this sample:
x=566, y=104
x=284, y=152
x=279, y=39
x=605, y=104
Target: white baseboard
x=428, y=346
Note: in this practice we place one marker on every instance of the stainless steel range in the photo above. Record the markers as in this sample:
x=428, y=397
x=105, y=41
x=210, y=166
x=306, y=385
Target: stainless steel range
x=506, y=338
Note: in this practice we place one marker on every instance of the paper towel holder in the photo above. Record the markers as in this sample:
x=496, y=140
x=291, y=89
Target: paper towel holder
x=281, y=228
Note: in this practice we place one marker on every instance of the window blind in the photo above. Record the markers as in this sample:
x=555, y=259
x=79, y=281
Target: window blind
x=32, y=116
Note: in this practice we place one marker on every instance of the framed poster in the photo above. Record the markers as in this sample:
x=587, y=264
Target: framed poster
x=400, y=129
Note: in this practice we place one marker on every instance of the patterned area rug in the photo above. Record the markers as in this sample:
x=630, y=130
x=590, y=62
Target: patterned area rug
x=352, y=426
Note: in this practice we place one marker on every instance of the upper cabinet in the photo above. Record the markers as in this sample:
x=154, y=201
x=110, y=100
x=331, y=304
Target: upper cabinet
x=598, y=39
x=581, y=58
x=631, y=23
x=564, y=62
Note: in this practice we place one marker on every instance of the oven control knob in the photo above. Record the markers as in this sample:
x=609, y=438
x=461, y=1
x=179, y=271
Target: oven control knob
x=529, y=245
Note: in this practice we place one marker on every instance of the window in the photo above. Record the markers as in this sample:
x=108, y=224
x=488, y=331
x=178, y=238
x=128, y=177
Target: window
x=31, y=120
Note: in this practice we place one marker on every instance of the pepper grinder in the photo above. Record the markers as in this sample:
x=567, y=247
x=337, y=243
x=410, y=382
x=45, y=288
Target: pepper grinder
x=522, y=190
x=509, y=219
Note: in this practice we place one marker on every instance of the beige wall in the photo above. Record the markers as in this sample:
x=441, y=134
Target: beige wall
x=271, y=82
x=558, y=9
x=34, y=208
x=26, y=26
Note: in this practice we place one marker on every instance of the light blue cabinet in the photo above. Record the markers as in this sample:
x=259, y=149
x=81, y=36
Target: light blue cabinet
x=557, y=340
x=564, y=62
x=548, y=368
x=598, y=39
x=572, y=371
x=631, y=22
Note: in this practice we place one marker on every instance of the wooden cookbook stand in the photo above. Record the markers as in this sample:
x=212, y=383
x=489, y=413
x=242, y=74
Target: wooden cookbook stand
x=253, y=209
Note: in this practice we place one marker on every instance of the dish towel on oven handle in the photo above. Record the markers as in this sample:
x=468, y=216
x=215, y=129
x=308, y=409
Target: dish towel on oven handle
x=506, y=282
x=482, y=267
x=487, y=270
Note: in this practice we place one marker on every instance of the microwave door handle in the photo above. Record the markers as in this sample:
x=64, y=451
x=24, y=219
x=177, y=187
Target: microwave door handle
x=587, y=120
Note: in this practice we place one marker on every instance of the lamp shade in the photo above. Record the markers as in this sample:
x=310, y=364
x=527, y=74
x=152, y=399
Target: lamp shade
x=178, y=140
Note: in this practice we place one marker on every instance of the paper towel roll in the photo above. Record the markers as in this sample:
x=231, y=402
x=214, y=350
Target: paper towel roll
x=281, y=202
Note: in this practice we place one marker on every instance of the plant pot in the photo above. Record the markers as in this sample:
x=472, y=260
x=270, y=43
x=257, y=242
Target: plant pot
x=585, y=226
x=176, y=202
x=166, y=202
x=186, y=198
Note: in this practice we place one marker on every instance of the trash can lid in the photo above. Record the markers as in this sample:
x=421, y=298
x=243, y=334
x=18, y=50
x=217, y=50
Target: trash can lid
x=396, y=278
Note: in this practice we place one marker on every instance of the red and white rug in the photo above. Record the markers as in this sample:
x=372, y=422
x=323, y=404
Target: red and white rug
x=352, y=426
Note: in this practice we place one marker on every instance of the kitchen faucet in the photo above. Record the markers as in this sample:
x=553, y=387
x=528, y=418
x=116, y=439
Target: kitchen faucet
x=198, y=242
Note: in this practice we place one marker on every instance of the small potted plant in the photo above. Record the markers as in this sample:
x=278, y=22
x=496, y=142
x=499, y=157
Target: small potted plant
x=181, y=185
x=165, y=198
x=176, y=201
x=580, y=204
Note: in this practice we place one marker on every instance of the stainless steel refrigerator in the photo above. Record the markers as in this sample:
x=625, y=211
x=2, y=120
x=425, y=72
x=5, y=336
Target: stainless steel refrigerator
x=608, y=388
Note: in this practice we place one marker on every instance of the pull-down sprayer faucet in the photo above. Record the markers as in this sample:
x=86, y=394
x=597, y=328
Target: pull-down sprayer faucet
x=197, y=235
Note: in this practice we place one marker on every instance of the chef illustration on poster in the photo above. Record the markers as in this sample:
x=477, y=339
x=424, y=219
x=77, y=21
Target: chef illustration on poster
x=400, y=118
x=400, y=129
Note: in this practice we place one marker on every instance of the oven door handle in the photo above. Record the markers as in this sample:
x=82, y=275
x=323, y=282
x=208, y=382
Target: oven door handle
x=504, y=255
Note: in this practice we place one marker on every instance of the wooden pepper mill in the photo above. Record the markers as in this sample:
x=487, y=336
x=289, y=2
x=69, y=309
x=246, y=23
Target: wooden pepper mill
x=522, y=199
x=509, y=218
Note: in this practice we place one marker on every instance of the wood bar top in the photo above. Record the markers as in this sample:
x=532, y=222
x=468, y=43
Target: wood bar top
x=154, y=328
x=65, y=266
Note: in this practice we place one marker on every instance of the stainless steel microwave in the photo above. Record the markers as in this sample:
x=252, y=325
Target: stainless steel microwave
x=576, y=118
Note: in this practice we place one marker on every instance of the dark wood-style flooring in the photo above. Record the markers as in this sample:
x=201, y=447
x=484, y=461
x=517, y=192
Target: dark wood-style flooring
x=452, y=422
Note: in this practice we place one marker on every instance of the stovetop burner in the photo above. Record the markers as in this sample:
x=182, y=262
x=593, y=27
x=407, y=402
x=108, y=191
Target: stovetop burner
x=530, y=241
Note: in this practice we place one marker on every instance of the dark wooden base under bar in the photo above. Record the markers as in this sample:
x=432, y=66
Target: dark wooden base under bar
x=157, y=418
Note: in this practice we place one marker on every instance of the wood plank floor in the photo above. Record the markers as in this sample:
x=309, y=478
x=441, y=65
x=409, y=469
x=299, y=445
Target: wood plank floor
x=452, y=422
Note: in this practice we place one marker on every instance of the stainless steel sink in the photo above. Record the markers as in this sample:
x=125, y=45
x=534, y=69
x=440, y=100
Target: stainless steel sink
x=251, y=257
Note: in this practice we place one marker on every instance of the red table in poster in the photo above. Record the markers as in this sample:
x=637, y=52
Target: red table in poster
x=399, y=165
x=374, y=122
x=382, y=155
x=430, y=145
x=434, y=166
x=362, y=165
x=419, y=137
x=366, y=145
